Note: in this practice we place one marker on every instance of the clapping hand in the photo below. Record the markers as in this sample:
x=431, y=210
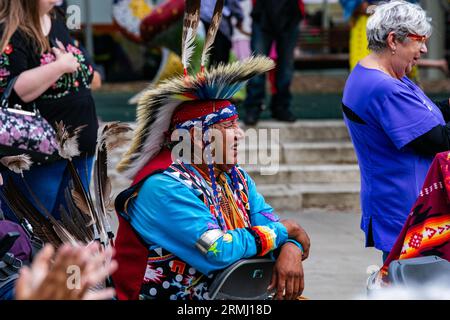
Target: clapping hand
x=75, y=270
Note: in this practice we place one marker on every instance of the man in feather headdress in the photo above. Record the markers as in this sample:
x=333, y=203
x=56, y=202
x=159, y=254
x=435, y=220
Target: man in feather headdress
x=187, y=217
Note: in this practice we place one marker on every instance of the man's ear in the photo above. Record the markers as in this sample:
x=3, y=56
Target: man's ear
x=392, y=41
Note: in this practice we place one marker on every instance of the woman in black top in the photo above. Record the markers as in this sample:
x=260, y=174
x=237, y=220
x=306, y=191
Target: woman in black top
x=55, y=74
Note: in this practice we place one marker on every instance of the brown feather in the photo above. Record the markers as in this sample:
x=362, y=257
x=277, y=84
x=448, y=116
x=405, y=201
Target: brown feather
x=80, y=220
x=83, y=199
x=43, y=222
x=83, y=206
x=59, y=229
x=64, y=235
x=190, y=24
x=116, y=135
x=212, y=31
x=18, y=163
x=68, y=221
x=112, y=136
x=100, y=177
x=67, y=140
x=24, y=210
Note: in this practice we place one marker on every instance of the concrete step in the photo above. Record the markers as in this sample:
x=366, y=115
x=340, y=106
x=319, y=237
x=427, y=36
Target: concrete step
x=299, y=174
x=303, y=130
x=329, y=152
x=312, y=196
x=318, y=152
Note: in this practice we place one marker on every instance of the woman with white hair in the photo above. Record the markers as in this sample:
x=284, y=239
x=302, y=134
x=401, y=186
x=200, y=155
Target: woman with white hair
x=395, y=128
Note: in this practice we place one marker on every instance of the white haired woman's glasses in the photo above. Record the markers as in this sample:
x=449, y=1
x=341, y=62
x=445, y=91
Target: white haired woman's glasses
x=422, y=39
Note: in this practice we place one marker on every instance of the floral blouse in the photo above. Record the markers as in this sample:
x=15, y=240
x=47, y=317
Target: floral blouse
x=69, y=82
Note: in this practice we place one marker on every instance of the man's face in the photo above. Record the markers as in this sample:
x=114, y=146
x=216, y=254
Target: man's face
x=227, y=140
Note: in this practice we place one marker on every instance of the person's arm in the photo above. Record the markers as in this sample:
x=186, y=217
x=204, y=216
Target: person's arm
x=444, y=106
x=434, y=141
x=168, y=214
x=434, y=63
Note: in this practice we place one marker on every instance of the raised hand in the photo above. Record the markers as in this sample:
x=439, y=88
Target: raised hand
x=52, y=281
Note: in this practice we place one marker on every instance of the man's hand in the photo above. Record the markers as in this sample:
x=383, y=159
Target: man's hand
x=296, y=232
x=287, y=277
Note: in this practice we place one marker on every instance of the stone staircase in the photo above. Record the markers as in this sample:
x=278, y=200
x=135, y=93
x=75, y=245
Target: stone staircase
x=317, y=168
x=313, y=166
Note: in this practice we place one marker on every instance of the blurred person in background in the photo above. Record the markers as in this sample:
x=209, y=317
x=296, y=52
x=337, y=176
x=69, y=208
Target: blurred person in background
x=53, y=73
x=395, y=128
x=274, y=21
x=221, y=49
x=241, y=38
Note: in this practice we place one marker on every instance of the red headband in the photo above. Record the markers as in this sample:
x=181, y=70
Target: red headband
x=190, y=110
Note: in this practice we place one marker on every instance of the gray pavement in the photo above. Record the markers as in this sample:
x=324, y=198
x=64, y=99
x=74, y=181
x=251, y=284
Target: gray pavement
x=336, y=267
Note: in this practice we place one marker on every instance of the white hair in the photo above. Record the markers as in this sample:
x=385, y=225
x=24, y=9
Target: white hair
x=397, y=16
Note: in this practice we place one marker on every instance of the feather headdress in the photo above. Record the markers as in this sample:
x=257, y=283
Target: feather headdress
x=157, y=105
